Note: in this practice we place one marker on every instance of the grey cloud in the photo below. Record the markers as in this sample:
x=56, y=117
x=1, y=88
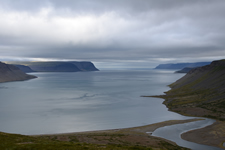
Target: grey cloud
x=118, y=30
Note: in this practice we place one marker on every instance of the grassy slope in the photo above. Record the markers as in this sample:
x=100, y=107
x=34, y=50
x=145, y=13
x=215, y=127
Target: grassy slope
x=199, y=93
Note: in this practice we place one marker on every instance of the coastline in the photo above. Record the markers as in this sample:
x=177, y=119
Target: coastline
x=134, y=136
x=120, y=139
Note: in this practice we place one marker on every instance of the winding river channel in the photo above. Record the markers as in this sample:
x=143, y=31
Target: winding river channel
x=173, y=133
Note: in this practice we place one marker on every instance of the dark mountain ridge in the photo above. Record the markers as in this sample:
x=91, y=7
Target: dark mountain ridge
x=12, y=73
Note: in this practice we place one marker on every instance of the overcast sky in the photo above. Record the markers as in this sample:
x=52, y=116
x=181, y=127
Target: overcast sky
x=113, y=33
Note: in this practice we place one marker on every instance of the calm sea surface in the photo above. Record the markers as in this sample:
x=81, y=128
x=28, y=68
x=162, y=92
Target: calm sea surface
x=84, y=101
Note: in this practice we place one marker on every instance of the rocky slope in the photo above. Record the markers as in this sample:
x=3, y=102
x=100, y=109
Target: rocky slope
x=201, y=92
x=12, y=73
x=181, y=65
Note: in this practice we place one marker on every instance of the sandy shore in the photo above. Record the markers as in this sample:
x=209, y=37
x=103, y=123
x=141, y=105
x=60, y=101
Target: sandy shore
x=129, y=136
x=136, y=130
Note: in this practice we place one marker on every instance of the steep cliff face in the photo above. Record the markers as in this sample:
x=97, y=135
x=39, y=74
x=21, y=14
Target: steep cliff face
x=201, y=92
x=85, y=66
x=12, y=73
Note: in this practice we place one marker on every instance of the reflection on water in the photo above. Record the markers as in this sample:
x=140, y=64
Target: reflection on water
x=84, y=101
x=173, y=133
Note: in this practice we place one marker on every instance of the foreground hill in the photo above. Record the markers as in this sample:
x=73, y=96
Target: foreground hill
x=12, y=73
x=181, y=65
x=56, y=66
x=201, y=92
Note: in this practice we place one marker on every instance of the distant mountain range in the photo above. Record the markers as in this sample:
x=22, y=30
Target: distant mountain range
x=56, y=66
x=12, y=73
x=181, y=65
x=16, y=71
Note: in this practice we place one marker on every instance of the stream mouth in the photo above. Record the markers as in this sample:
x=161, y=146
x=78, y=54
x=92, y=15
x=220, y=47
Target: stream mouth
x=173, y=133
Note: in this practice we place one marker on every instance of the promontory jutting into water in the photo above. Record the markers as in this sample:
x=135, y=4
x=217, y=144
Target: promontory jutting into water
x=84, y=101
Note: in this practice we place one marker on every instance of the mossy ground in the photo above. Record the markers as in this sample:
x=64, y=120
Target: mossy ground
x=22, y=142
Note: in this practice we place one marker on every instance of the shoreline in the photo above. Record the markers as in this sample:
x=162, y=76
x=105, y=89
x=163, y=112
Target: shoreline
x=134, y=136
x=200, y=136
x=138, y=129
x=120, y=139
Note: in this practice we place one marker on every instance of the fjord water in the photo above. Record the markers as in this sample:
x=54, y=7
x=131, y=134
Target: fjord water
x=84, y=101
